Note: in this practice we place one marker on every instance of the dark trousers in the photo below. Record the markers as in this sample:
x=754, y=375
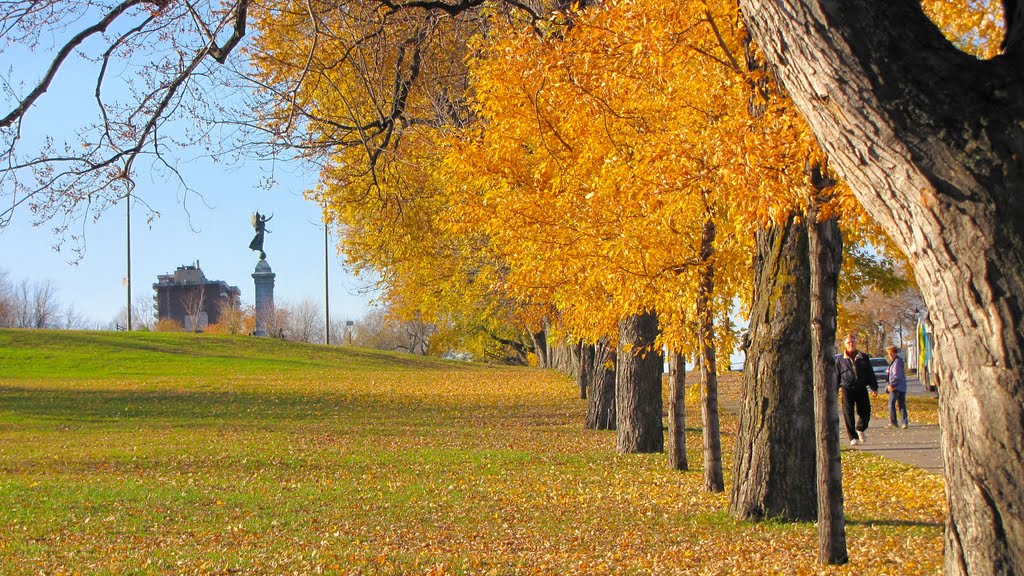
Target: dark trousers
x=856, y=399
x=898, y=400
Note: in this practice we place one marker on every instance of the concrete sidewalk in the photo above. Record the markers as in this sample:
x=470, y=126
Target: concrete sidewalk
x=918, y=445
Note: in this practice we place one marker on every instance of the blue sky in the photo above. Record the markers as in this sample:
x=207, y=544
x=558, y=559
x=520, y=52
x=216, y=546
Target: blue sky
x=214, y=230
x=209, y=224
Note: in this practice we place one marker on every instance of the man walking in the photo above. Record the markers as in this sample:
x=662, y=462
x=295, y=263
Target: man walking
x=855, y=377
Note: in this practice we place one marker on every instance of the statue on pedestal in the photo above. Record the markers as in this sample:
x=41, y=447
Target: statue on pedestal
x=259, y=222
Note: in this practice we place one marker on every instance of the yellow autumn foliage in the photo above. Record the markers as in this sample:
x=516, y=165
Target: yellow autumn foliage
x=974, y=26
x=603, y=147
x=493, y=170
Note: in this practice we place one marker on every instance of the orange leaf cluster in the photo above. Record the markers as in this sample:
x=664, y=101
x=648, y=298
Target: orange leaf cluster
x=495, y=172
x=603, y=148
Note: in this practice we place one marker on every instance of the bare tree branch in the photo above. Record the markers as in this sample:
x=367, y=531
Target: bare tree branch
x=393, y=51
x=62, y=55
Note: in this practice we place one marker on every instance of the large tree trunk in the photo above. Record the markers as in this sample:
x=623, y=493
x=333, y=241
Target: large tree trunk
x=713, y=477
x=584, y=367
x=638, y=386
x=540, y=347
x=773, y=473
x=677, y=413
x=930, y=140
x=826, y=248
x=601, y=401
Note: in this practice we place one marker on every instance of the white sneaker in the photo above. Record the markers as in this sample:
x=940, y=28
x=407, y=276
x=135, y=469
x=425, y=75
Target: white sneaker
x=863, y=436
x=854, y=442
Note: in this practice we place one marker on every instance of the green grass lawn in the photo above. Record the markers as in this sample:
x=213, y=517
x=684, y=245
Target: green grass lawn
x=200, y=454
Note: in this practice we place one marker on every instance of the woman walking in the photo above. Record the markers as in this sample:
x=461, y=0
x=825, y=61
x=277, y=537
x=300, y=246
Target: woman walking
x=896, y=381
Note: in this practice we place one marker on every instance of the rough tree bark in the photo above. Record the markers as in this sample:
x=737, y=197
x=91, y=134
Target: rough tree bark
x=601, y=401
x=714, y=480
x=677, y=413
x=930, y=140
x=773, y=471
x=638, y=386
x=584, y=368
x=560, y=356
x=540, y=348
x=826, y=248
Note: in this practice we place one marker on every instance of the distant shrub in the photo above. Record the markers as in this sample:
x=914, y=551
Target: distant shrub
x=168, y=325
x=234, y=320
x=217, y=328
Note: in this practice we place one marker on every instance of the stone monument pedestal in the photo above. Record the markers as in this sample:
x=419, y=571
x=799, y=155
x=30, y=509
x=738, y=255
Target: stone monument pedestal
x=264, y=278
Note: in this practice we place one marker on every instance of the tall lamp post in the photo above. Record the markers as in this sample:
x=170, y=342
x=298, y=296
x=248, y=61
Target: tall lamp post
x=128, y=221
x=327, y=289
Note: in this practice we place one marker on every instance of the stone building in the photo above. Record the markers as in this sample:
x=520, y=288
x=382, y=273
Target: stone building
x=188, y=298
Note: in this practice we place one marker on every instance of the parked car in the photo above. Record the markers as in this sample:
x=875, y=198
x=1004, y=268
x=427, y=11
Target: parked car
x=880, y=365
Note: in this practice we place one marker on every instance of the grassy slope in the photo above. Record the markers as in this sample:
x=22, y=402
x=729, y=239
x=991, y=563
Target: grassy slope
x=177, y=453
x=102, y=355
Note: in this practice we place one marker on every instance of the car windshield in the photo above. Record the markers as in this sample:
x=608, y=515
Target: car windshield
x=879, y=362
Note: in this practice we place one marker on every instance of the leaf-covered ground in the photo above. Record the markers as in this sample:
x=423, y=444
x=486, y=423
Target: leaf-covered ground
x=154, y=453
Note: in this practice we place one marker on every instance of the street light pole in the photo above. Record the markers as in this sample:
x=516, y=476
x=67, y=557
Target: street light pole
x=128, y=220
x=327, y=290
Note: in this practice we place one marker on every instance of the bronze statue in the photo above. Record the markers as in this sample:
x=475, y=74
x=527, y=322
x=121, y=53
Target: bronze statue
x=260, y=224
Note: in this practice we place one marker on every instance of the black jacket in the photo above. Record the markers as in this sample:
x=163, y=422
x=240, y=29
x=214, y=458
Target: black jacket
x=856, y=375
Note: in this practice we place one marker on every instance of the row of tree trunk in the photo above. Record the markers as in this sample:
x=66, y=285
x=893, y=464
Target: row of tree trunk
x=787, y=463
x=787, y=451
x=622, y=385
x=930, y=140
x=623, y=389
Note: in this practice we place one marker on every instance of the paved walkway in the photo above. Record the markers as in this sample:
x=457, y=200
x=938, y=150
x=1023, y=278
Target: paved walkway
x=918, y=445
